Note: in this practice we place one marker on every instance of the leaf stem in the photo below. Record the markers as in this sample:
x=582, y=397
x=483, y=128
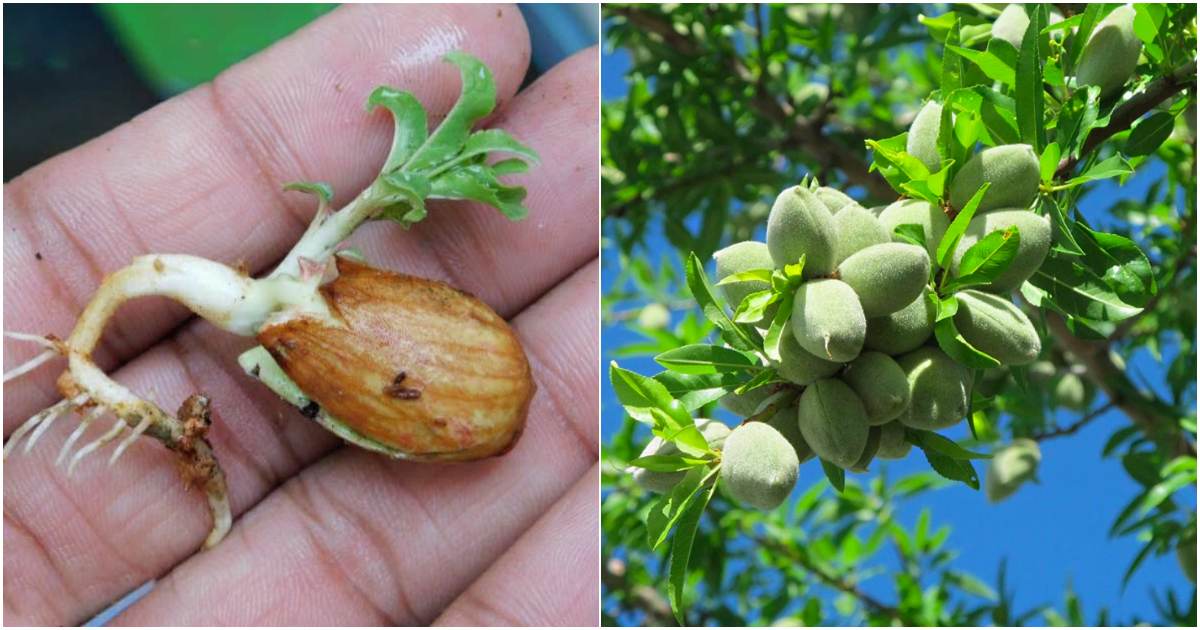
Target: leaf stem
x=325, y=233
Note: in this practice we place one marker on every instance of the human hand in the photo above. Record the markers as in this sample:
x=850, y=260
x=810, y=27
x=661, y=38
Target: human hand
x=326, y=534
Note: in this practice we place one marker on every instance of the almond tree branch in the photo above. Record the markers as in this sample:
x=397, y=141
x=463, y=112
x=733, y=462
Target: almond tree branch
x=1123, y=117
x=836, y=582
x=645, y=598
x=1074, y=427
x=805, y=133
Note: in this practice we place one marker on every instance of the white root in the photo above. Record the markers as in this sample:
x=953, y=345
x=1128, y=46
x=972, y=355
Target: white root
x=50, y=412
x=29, y=365
x=45, y=426
x=79, y=431
x=38, y=339
x=137, y=432
x=110, y=435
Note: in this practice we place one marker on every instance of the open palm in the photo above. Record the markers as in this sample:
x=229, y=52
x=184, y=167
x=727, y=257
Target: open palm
x=326, y=534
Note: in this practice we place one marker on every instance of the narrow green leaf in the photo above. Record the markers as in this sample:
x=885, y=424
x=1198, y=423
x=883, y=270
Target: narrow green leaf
x=681, y=550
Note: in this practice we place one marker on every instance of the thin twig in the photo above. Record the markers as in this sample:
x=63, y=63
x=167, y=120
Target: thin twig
x=837, y=582
x=828, y=153
x=1072, y=428
x=1123, y=117
x=648, y=600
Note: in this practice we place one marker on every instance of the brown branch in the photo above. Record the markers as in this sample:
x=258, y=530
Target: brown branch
x=836, y=582
x=1074, y=427
x=1124, y=116
x=1145, y=410
x=803, y=131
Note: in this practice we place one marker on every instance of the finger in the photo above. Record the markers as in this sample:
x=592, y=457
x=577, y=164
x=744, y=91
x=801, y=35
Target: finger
x=259, y=440
x=476, y=248
x=512, y=262
x=549, y=577
x=72, y=537
x=201, y=173
x=356, y=539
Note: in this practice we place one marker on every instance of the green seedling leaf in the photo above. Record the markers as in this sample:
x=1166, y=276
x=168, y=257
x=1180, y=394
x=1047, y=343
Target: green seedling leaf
x=476, y=100
x=403, y=197
x=705, y=359
x=323, y=191
x=411, y=126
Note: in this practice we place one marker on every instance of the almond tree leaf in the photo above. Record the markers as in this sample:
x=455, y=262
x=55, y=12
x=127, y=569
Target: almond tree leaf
x=681, y=549
x=705, y=359
x=1149, y=133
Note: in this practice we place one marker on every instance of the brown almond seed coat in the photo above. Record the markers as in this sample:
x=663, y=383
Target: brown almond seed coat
x=466, y=383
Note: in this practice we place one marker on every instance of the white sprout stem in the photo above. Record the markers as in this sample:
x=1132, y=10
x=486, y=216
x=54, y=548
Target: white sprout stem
x=327, y=231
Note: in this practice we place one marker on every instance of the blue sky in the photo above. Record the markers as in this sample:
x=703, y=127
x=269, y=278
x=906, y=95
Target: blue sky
x=1053, y=535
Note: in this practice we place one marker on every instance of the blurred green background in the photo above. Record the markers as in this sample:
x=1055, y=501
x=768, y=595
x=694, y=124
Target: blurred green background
x=75, y=71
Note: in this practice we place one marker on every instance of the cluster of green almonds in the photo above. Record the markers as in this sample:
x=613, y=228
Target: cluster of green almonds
x=1109, y=57
x=860, y=364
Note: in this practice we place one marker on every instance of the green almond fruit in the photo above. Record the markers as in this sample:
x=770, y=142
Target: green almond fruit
x=857, y=229
x=1111, y=54
x=800, y=366
x=1033, y=245
x=1012, y=169
x=923, y=136
x=932, y=220
x=939, y=389
x=1010, y=468
x=995, y=326
x=787, y=422
x=886, y=277
x=713, y=431
x=903, y=331
x=744, y=405
x=1010, y=26
x=868, y=454
x=759, y=466
x=800, y=224
x=737, y=258
x=828, y=321
x=880, y=384
x=892, y=443
x=1070, y=392
x=833, y=422
x=834, y=199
